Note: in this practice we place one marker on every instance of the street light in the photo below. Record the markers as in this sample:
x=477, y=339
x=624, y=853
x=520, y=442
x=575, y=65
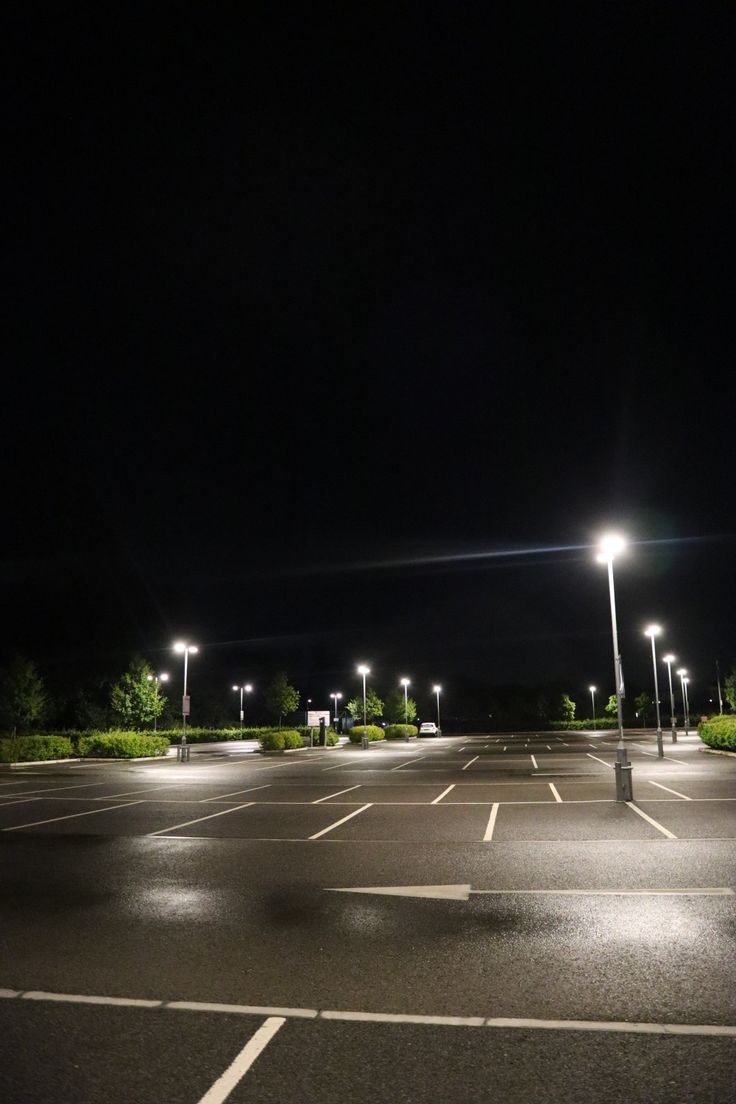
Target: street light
x=182, y=648
x=669, y=660
x=652, y=631
x=246, y=689
x=363, y=670
x=682, y=672
x=437, y=690
x=336, y=697
x=163, y=677
x=610, y=547
x=593, y=700
x=405, y=684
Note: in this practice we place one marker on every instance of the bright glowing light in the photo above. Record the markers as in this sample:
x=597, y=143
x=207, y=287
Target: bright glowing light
x=363, y=670
x=236, y=687
x=610, y=546
x=336, y=695
x=686, y=680
x=592, y=689
x=163, y=677
x=248, y=688
x=405, y=682
x=682, y=671
x=180, y=646
x=653, y=630
x=193, y=649
x=669, y=659
x=436, y=689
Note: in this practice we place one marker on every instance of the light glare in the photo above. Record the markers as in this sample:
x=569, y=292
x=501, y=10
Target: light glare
x=653, y=630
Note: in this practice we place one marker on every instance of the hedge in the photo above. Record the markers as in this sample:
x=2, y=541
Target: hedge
x=719, y=732
x=29, y=749
x=373, y=732
x=280, y=739
x=579, y=726
x=122, y=745
x=400, y=731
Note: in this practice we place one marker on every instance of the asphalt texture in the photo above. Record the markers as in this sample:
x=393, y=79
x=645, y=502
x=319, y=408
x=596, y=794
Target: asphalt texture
x=214, y=882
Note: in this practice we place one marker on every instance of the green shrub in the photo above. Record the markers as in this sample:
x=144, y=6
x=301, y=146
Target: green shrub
x=400, y=731
x=272, y=740
x=719, y=732
x=197, y=735
x=373, y=732
x=332, y=737
x=122, y=745
x=579, y=726
x=31, y=749
x=292, y=740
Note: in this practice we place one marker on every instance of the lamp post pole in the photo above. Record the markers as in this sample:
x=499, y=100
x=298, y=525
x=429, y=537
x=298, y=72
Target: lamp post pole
x=187, y=650
x=682, y=672
x=686, y=683
x=335, y=698
x=364, y=670
x=437, y=690
x=652, y=632
x=592, y=698
x=669, y=660
x=405, y=684
x=718, y=680
x=623, y=770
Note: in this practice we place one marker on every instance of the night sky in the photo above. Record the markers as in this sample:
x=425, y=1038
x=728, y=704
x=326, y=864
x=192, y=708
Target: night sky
x=311, y=312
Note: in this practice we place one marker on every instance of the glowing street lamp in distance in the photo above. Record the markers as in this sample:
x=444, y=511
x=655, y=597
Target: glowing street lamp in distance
x=245, y=689
x=405, y=682
x=162, y=677
x=653, y=631
x=185, y=649
x=592, y=698
x=611, y=545
x=336, y=697
x=669, y=659
x=682, y=672
x=437, y=690
x=364, y=670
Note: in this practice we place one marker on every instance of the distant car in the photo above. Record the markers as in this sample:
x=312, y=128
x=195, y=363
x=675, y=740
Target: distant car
x=429, y=728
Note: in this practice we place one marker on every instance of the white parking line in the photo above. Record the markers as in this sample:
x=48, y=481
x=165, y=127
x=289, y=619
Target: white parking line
x=472, y=761
x=240, y=1065
x=534, y=761
x=554, y=791
x=488, y=836
x=235, y=793
x=603, y=761
x=339, y=822
x=205, y=1007
x=443, y=794
x=69, y=816
x=654, y=823
x=328, y=796
x=675, y=792
x=197, y=820
x=656, y=755
x=145, y=789
x=55, y=789
x=409, y=762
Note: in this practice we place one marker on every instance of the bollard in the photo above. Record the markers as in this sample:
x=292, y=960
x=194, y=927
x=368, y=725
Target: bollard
x=183, y=752
x=624, y=781
x=365, y=743
x=660, y=745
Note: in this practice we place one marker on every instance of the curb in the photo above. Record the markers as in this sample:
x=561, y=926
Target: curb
x=36, y=763
x=718, y=751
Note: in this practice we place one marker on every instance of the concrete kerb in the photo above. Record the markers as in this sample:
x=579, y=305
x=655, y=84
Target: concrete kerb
x=718, y=751
x=87, y=759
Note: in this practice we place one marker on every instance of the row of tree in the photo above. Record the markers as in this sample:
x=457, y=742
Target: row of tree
x=137, y=700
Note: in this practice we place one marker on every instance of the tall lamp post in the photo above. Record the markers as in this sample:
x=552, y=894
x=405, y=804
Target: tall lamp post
x=363, y=670
x=336, y=697
x=592, y=698
x=437, y=690
x=163, y=677
x=245, y=689
x=718, y=681
x=610, y=547
x=182, y=648
x=682, y=672
x=669, y=660
x=405, y=684
x=653, y=631
x=686, y=683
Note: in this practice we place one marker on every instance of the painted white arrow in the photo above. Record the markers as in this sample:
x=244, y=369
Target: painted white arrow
x=463, y=892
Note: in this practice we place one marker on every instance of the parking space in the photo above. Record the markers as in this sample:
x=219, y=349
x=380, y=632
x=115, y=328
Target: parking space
x=604, y=821
x=694, y=820
x=412, y=823
x=490, y=792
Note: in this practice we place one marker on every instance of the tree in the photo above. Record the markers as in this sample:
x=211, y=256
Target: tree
x=566, y=708
x=280, y=698
x=394, y=708
x=729, y=688
x=612, y=707
x=23, y=699
x=137, y=700
x=643, y=705
x=373, y=706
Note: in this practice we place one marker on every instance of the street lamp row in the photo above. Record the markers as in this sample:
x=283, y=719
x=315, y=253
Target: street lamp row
x=363, y=670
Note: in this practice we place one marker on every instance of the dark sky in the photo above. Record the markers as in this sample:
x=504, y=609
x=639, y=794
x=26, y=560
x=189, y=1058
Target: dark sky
x=298, y=298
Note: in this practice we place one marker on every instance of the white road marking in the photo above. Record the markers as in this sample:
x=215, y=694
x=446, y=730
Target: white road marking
x=443, y=794
x=409, y=762
x=603, y=761
x=145, y=789
x=55, y=789
x=197, y=820
x=554, y=791
x=675, y=792
x=235, y=793
x=339, y=822
x=505, y=746
x=69, y=816
x=240, y=1065
x=488, y=835
x=328, y=796
x=654, y=823
x=463, y=892
x=20, y=800
x=534, y=761
x=472, y=761
x=288, y=763
x=656, y=755
x=617, y=1026
x=548, y=747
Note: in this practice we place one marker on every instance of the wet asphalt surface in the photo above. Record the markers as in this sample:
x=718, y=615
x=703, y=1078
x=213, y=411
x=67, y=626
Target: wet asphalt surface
x=231, y=902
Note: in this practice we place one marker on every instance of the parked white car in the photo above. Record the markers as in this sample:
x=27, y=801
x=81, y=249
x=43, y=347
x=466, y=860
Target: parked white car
x=429, y=728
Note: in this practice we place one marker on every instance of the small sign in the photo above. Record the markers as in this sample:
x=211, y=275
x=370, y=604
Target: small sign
x=185, y=701
x=242, y=715
x=314, y=716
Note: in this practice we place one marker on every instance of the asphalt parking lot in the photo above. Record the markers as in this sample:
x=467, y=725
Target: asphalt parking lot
x=468, y=918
